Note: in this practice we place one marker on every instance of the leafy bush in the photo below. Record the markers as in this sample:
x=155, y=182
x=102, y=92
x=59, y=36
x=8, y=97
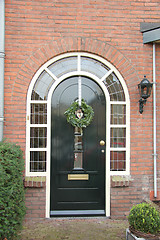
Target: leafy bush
x=12, y=206
x=145, y=218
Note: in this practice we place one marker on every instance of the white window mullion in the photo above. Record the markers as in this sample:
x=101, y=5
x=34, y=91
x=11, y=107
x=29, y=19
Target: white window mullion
x=106, y=75
x=118, y=126
x=37, y=125
x=51, y=74
x=37, y=149
x=39, y=101
x=118, y=149
x=118, y=103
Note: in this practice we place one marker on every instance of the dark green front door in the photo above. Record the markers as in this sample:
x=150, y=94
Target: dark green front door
x=77, y=185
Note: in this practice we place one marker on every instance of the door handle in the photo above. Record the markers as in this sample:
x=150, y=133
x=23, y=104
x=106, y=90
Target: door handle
x=102, y=142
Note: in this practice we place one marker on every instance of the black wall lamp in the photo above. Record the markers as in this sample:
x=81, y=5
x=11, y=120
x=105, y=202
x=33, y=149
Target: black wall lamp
x=145, y=88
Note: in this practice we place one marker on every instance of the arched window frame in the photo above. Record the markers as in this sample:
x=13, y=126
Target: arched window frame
x=47, y=125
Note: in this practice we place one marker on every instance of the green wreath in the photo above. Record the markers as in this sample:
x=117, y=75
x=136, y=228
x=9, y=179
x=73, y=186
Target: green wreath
x=86, y=114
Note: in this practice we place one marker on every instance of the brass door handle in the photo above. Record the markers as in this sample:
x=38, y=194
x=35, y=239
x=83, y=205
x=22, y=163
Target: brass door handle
x=102, y=142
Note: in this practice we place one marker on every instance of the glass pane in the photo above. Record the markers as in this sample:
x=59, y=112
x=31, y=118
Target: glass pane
x=118, y=137
x=38, y=137
x=78, y=160
x=38, y=161
x=77, y=143
x=38, y=113
x=115, y=88
x=93, y=66
x=78, y=147
x=42, y=86
x=118, y=114
x=63, y=66
x=118, y=160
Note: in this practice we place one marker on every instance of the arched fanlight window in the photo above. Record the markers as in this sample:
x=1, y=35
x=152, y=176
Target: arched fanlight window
x=38, y=122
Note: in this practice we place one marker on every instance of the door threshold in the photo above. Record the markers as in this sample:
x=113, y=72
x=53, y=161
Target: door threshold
x=77, y=213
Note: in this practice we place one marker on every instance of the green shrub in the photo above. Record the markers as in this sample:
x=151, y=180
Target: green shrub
x=12, y=206
x=145, y=218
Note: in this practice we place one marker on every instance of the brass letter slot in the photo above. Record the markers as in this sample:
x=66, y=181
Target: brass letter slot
x=78, y=177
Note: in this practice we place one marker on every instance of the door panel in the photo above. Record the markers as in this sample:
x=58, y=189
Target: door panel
x=77, y=197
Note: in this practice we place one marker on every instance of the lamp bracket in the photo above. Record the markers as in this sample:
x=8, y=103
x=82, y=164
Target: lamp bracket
x=141, y=103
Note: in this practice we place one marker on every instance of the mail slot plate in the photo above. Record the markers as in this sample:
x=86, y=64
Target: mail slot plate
x=78, y=177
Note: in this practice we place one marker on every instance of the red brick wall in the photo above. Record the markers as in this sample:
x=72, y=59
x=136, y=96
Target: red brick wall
x=38, y=30
x=35, y=203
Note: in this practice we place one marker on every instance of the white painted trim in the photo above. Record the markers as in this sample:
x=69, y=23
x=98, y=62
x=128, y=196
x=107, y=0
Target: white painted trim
x=51, y=74
x=118, y=149
x=38, y=149
x=106, y=75
x=107, y=183
x=118, y=103
x=38, y=101
x=48, y=159
x=38, y=125
x=128, y=135
x=118, y=126
x=27, y=160
x=108, y=125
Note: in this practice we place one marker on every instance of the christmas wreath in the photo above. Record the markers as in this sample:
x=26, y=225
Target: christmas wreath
x=79, y=116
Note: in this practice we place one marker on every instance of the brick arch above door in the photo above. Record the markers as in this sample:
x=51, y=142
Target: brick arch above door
x=64, y=45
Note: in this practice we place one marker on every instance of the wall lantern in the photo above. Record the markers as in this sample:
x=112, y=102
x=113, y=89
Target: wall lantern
x=145, y=88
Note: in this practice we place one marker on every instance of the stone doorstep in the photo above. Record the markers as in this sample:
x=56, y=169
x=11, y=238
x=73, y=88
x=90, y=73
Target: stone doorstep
x=121, y=181
x=131, y=236
x=34, y=182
